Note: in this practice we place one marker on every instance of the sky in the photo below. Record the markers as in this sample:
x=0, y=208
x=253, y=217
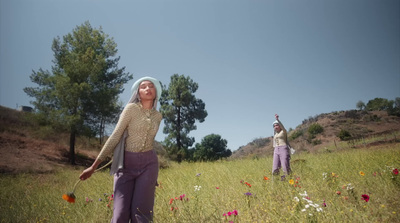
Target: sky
x=252, y=59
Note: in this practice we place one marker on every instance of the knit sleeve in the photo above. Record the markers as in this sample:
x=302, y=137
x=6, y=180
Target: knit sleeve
x=282, y=127
x=122, y=124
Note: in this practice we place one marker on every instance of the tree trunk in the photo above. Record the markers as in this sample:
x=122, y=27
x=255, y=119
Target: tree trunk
x=178, y=136
x=72, y=146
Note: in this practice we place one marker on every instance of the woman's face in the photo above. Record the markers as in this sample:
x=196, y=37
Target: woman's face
x=277, y=127
x=147, y=91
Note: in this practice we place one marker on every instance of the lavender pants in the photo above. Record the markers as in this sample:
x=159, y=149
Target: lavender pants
x=281, y=159
x=134, y=188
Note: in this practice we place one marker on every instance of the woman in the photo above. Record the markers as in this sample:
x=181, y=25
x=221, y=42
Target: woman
x=281, y=148
x=136, y=175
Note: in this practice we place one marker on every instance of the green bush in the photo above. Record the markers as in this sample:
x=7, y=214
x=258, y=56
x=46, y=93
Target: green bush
x=315, y=129
x=296, y=134
x=344, y=135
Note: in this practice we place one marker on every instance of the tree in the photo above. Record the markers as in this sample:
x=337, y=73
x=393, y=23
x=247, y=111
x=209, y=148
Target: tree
x=82, y=91
x=180, y=109
x=379, y=104
x=360, y=105
x=211, y=148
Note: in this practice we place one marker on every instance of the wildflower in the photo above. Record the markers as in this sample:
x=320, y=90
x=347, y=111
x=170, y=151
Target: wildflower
x=304, y=194
x=395, y=172
x=171, y=200
x=247, y=184
x=296, y=199
x=349, y=187
x=70, y=197
x=266, y=178
x=216, y=187
x=291, y=181
x=365, y=197
x=362, y=173
x=197, y=188
x=197, y=175
x=230, y=213
x=324, y=175
x=338, y=192
x=248, y=194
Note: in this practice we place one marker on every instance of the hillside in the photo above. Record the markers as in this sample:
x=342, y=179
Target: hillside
x=365, y=128
x=27, y=146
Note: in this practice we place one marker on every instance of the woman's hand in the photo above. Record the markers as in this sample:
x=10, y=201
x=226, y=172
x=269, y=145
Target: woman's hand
x=277, y=116
x=87, y=173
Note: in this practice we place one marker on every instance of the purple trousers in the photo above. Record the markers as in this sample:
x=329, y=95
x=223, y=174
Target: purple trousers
x=281, y=159
x=134, y=188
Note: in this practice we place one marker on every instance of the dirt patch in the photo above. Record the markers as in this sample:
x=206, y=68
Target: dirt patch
x=19, y=154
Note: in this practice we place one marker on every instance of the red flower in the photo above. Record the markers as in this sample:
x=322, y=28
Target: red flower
x=171, y=200
x=365, y=197
x=396, y=172
x=338, y=192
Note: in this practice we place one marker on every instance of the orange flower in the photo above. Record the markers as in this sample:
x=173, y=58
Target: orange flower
x=70, y=197
x=291, y=181
x=266, y=178
x=362, y=173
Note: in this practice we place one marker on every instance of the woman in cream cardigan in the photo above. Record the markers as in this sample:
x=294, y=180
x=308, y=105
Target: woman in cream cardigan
x=281, y=148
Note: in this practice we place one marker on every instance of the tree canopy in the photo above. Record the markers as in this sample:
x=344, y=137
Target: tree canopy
x=81, y=92
x=180, y=109
x=211, y=148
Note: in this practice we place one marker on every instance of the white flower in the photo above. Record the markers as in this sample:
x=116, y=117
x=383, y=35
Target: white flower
x=303, y=210
x=197, y=188
x=296, y=199
x=307, y=206
x=304, y=195
x=324, y=175
x=349, y=187
x=319, y=209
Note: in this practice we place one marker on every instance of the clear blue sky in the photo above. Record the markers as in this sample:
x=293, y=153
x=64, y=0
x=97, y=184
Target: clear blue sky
x=251, y=58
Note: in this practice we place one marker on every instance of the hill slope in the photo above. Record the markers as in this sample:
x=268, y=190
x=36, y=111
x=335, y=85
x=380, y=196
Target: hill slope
x=364, y=128
x=26, y=146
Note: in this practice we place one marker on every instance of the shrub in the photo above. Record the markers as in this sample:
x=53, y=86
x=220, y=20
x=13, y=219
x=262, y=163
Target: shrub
x=316, y=142
x=296, y=134
x=344, y=135
x=315, y=129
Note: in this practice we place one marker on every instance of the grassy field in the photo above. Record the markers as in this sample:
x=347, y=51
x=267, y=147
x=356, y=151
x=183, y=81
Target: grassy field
x=356, y=185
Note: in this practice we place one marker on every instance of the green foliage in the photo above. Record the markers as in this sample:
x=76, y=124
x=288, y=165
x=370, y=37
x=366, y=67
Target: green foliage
x=211, y=148
x=316, y=142
x=81, y=92
x=296, y=134
x=333, y=182
x=344, y=135
x=360, y=105
x=180, y=109
x=315, y=129
x=379, y=104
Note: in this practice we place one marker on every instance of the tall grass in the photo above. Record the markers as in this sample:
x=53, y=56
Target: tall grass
x=204, y=192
